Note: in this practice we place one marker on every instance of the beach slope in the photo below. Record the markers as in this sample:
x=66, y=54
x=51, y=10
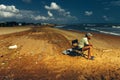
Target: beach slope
x=38, y=56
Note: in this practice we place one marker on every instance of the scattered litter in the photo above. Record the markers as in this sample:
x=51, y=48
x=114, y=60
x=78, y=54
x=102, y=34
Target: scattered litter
x=12, y=47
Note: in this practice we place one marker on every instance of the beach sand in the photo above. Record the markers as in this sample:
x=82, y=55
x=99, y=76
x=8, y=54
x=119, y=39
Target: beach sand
x=8, y=30
x=39, y=56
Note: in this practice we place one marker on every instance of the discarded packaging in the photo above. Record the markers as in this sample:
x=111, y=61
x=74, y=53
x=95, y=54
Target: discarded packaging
x=12, y=47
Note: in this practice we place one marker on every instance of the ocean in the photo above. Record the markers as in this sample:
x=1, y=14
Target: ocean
x=112, y=29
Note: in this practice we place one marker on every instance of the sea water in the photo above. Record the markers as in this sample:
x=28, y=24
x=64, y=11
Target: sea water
x=112, y=29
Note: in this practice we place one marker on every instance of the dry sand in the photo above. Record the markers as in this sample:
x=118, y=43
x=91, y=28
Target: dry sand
x=39, y=57
x=8, y=30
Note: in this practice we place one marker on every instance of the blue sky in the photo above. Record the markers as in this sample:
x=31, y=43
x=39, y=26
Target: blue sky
x=61, y=11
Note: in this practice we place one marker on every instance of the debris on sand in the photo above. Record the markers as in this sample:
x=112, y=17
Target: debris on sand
x=12, y=47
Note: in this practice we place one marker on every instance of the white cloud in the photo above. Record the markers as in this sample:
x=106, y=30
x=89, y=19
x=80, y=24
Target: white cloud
x=6, y=14
x=88, y=13
x=50, y=14
x=8, y=11
x=55, y=7
x=40, y=17
x=12, y=13
x=115, y=3
x=25, y=14
x=11, y=8
x=105, y=18
x=27, y=1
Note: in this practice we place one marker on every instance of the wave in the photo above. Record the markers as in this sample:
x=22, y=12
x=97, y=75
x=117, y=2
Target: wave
x=59, y=26
x=118, y=27
x=93, y=29
x=106, y=32
x=112, y=33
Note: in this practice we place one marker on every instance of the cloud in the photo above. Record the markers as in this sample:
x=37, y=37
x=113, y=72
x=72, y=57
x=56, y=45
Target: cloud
x=115, y=3
x=40, y=17
x=13, y=12
x=105, y=18
x=6, y=14
x=27, y=1
x=50, y=14
x=55, y=7
x=11, y=8
x=88, y=13
x=25, y=14
x=10, y=12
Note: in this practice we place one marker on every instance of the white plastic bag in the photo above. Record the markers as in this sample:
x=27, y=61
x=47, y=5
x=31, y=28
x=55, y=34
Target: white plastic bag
x=12, y=47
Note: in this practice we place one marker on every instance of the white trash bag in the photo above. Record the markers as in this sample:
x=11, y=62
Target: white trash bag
x=13, y=47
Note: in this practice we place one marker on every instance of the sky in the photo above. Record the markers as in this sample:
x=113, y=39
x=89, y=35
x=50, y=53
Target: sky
x=60, y=11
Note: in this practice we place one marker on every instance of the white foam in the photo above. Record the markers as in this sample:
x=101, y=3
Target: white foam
x=106, y=32
x=117, y=27
x=112, y=33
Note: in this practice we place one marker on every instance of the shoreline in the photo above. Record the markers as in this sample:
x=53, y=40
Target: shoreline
x=11, y=30
x=88, y=31
x=112, y=40
x=24, y=30
x=96, y=33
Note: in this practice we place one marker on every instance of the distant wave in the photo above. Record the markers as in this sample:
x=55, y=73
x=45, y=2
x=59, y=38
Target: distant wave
x=93, y=29
x=112, y=33
x=118, y=27
x=59, y=26
x=106, y=32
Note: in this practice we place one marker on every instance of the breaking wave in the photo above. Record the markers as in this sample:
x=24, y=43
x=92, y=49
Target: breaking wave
x=101, y=31
x=117, y=27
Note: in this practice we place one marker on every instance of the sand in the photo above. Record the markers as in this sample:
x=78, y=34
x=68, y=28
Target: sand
x=8, y=30
x=39, y=56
